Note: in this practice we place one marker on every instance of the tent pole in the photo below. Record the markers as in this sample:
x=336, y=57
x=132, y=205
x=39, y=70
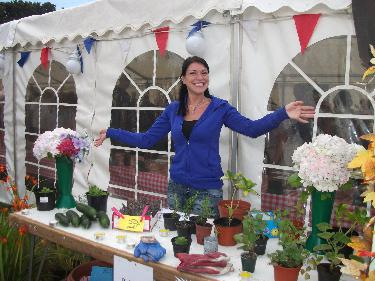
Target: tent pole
x=235, y=66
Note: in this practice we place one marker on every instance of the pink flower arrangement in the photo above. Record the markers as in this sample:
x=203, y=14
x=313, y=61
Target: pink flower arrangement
x=61, y=142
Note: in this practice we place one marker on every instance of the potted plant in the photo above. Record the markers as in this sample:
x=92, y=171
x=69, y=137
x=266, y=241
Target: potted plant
x=231, y=212
x=253, y=226
x=97, y=198
x=287, y=262
x=238, y=208
x=203, y=228
x=181, y=244
x=334, y=242
x=184, y=226
x=171, y=218
x=45, y=198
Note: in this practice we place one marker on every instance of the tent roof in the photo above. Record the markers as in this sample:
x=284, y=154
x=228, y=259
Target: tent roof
x=116, y=15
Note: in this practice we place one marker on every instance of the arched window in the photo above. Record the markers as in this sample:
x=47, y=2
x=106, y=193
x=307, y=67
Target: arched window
x=145, y=87
x=327, y=76
x=51, y=102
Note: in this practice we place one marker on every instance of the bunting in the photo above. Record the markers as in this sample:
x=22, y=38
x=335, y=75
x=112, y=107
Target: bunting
x=24, y=57
x=88, y=42
x=305, y=25
x=161, y=37
x=44, y=57
x=198, y=26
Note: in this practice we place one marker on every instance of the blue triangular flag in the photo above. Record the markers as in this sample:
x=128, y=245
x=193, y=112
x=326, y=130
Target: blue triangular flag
x=198, y=26
x=23, y=59
x=88, y=43
x=80, y=58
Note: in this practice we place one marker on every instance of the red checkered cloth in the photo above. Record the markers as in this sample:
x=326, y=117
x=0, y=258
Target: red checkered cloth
x=148, y=181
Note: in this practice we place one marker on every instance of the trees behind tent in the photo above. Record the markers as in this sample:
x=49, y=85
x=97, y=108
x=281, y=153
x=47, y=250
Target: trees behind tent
x=17, y=9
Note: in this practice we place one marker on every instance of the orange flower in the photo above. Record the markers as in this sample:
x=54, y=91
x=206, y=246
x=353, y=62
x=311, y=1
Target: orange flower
x=22, y=230
x=3, y=240
x=362, y=253
x=4, y=210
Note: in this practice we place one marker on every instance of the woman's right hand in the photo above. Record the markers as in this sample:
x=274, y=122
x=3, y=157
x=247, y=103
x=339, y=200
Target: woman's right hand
x=102, y=136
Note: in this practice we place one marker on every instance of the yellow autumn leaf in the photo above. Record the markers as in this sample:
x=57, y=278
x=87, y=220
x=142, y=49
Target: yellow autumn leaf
x=370, y=197
x=369, y=137
x=369, y=71
x=359, y=159
x=353, y=267
x=359, y=244
x=372, y=49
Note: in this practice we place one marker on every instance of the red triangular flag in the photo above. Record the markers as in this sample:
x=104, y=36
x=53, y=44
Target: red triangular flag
x=305, y=25
x=44, y=57
x=161, y=36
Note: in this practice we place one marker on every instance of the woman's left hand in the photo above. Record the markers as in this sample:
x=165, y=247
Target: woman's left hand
x=299, y=112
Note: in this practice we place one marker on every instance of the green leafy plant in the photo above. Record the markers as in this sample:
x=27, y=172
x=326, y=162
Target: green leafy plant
x=206, y=211
x=238, y=182
x=181, y=240
x=293, y=253
x=96, y=191
x=253, y=227
x=46, y=189
x=189, y=205
x=335, y=241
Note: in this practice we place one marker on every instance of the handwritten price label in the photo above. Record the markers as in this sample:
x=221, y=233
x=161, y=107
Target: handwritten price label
x=131, y=223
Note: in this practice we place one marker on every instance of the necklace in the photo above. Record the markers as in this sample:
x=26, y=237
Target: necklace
x=195, y=107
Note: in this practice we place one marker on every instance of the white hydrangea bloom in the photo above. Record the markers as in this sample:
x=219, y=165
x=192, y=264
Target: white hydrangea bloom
x=323, y=162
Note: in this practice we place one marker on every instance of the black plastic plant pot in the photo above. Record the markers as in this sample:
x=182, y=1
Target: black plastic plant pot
x=99, y=203
x=193, y=219
x=180, y=248
x=183, y=228
x=248, y=261
x=325, y=274
x=45, y=201
x=261, y=245
x=170, y=221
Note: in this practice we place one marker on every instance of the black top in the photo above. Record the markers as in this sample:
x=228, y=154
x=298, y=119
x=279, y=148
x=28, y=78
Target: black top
x=187, y=127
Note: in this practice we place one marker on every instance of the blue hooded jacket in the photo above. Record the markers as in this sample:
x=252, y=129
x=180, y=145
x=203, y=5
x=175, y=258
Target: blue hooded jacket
x=197, y=162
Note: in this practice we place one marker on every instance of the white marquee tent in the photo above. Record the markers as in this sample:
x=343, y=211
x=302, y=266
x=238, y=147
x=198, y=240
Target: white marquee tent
x=255, y=61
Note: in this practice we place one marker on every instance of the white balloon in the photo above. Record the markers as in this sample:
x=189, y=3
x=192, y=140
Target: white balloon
x=196, y=45
x=73, y=65
x=2, y=65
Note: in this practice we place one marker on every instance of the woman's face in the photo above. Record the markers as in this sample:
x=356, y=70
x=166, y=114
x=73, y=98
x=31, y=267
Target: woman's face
x=196, y=78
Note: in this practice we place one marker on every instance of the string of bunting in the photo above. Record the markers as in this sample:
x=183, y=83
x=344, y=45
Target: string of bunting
x=195, y=44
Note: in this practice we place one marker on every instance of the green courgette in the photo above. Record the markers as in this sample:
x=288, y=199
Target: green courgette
x=85, y=221
x=73, y=218
x=87, y=210
x=62, y=219
x=103, y=219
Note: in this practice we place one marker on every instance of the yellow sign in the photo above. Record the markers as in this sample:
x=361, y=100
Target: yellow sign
x=131, y=223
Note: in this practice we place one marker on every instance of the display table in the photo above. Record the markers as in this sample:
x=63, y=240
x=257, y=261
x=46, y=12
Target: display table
x=83, y=240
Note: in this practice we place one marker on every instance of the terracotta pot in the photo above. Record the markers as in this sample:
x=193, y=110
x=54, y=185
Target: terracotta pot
x=227, y=230
x=325, y=274
x=239, y=213
x=285, y=273
x=84, y=269
x=202, y=231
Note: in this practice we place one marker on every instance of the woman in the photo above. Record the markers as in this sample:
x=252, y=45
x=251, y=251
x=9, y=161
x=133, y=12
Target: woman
x=195, y=123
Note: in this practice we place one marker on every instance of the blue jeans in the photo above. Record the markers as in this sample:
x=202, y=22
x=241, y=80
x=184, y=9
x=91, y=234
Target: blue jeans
x=183, y=192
